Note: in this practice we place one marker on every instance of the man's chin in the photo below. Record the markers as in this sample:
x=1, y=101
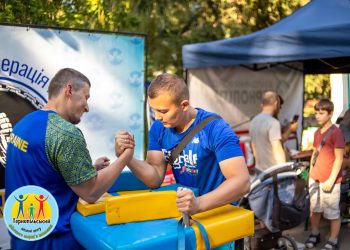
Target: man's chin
x=167, y=125
x=76, y=121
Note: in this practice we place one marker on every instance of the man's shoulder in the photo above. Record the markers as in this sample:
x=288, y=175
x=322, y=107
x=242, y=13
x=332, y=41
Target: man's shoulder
x=203, y=114
x=264, y=117
x=59, y=126
x=28, y=118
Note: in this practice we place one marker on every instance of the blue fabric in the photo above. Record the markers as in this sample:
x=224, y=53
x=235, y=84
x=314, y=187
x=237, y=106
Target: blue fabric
x=32, y=167
x=54, y=242
x=198, y=164
x=204, y=234
x=127, y=181
x=320, y=29
x=94, y=233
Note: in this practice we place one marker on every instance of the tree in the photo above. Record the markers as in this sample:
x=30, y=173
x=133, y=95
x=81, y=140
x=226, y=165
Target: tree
x=168, y=24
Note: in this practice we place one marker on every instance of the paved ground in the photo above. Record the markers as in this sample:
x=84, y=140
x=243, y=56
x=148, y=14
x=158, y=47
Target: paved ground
x=301, y=235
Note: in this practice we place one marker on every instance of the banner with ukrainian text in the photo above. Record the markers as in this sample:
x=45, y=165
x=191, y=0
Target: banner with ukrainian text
x=114, y=63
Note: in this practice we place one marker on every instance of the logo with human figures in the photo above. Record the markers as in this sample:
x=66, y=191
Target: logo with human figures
x=31, y=213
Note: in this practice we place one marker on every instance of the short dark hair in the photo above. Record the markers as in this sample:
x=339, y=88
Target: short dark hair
x=64, y=76
x=324, y=104
x=170, y=83
x=281, y=99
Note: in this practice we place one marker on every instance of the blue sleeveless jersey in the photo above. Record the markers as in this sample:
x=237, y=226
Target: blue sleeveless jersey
x=47, y=151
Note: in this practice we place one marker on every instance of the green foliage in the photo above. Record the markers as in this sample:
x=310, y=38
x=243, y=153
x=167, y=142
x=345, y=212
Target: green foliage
x=258, y=14
x=317, y=87
x=169, y=24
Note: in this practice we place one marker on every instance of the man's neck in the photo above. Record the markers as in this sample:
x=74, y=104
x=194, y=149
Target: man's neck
x=55, y=106
x=268, y=110
x=189, y=118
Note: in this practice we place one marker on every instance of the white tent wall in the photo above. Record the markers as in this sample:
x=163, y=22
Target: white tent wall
x=235, y=92
x=339, y=95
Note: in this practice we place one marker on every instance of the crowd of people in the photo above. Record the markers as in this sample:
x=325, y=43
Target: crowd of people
x=329, y=160
x=212, y=161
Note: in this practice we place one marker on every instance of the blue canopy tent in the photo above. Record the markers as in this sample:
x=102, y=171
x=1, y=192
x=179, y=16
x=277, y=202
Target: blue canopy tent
x=317, y=34
x=228, y=76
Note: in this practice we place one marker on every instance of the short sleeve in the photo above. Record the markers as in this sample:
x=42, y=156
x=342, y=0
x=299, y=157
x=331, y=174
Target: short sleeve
x=67, y=152
x=225, y=141
x=275, y=131
x=339, y=139
x=154, y=137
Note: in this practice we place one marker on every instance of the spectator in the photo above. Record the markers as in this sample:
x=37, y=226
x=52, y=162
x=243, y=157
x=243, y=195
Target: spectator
x=265, y=132
x=325, y=176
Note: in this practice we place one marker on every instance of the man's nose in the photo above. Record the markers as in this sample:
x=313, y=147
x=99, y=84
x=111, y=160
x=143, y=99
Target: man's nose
x=86, y=108
x=158, y=117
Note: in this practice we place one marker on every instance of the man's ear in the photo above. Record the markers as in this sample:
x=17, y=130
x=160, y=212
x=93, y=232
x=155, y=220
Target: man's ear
x=68, y=89
x=185, y=104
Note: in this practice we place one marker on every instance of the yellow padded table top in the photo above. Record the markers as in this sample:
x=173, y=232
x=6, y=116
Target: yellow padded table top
x=224, y=224
x=87, y=209
x=141, y=207
x=99, y=206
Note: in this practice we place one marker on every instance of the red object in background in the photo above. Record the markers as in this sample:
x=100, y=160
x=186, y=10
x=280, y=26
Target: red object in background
x=244, y=143
x=169, y=177
x=241, y=144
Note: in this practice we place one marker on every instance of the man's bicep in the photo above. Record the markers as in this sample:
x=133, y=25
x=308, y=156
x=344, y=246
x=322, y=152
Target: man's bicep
x=276, y=145
x=234, y=166
x=275, y=131
x=156, y=159
x=278, y=151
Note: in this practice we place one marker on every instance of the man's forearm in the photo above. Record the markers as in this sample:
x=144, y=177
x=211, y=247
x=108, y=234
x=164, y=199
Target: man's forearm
x=229, y=191
x=285, y=135
x=94, y=188
x=146, y=173
x=106, y=177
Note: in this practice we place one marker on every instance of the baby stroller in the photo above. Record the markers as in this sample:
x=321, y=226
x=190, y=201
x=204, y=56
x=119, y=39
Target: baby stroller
x=280, y=200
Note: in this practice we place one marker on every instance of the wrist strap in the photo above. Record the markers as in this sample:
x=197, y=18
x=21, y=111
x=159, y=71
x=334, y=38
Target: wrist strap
x=181, y=240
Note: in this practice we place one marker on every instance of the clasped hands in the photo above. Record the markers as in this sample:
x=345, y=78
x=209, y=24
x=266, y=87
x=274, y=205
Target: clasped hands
x=123, y=141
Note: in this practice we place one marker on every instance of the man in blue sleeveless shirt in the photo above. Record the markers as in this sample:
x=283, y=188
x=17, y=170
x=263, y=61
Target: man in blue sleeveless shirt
x=56, y=157
x=212, y=161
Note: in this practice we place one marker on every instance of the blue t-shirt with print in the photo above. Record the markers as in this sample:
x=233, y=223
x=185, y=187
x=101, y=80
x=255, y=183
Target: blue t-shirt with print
x=198, y=164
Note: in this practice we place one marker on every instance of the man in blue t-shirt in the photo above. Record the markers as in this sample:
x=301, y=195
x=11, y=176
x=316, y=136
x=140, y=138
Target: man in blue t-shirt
x=55, y=157
x=212, y=161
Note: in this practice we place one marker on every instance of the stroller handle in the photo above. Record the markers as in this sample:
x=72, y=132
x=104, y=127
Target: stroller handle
x=285, y=169
x=282, y=168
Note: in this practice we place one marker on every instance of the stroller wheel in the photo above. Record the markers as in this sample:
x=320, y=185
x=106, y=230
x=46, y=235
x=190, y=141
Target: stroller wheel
x=286, y=243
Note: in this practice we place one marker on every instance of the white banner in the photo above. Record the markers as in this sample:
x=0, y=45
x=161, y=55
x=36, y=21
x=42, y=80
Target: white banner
x=235, y=92
x=114, y=63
